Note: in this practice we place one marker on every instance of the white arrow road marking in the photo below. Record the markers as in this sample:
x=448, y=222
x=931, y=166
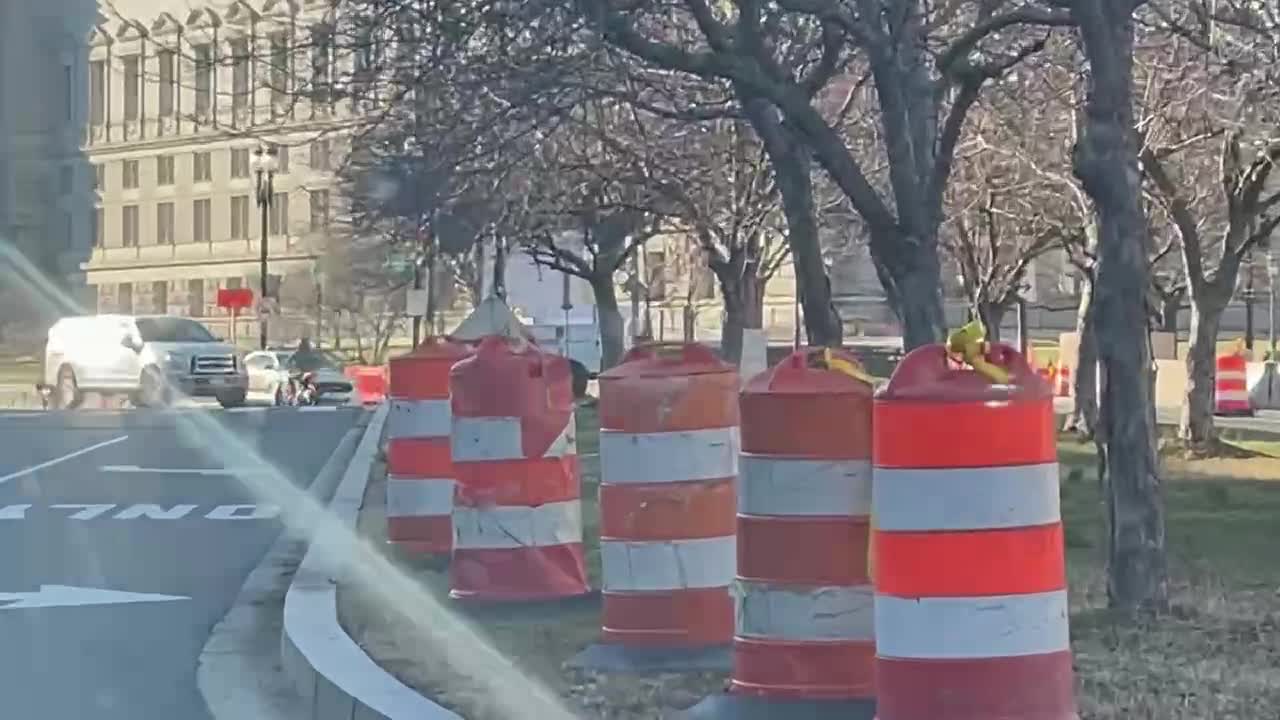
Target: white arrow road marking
x=180, y=471
x=50, y=463
x=69, y=596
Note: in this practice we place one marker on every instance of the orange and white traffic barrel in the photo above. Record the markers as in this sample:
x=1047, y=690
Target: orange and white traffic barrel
x=971, y=594
x=1231, y=386
x=517, y=515
x=419, y=472
x=1064, y=382
x=805, y=618
x=668, y=463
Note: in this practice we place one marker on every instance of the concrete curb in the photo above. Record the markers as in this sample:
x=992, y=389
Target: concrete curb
x=335, y=678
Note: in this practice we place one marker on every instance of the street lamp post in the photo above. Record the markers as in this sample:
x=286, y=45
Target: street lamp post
x=264, y=168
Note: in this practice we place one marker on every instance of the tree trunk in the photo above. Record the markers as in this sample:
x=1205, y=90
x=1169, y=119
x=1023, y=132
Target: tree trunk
x=1169, y=307
x=1196, y=427
x=791, y=166
x=499, y=286
x=992, y=315
x=913, y=277
x=612, y=329
x=743, y=309
x=1084, y=414
x=1105, y=159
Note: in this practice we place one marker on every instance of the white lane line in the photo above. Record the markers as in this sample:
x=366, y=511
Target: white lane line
x=318, y=408
x=177, y=471
x=62, y=459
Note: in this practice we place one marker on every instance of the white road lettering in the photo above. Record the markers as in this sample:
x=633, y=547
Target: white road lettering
x=243, y=512
x=87, y=512
x=154, y=512
x=235, y=472
x=60, y=459
x=14, y=512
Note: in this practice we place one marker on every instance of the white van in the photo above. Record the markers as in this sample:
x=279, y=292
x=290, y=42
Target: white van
x=148, y=357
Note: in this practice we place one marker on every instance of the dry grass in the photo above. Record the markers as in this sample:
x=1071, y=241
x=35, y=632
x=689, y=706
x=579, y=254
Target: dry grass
x=1216, y=657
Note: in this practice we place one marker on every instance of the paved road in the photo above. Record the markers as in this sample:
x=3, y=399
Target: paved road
x=137, y=504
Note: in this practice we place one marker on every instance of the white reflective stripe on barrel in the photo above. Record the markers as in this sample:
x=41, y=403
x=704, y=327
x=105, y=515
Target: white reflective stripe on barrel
x=798, y=613
x=972, y=627
x=1231, y=395
x=769, y=485
x=481, y=439
x=654, y=565
x=418, y=418
x=966, y=498
x=509, y=528
x=663, y=457
x=409, y=497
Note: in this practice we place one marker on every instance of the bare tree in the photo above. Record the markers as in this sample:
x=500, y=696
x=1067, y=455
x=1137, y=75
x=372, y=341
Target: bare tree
x=1106, y=161
x=1209, y=120
x=928, y=66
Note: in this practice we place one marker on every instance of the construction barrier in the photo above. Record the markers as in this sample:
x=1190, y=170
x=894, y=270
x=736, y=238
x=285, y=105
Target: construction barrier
x=1064, y=388
x=971, y=598
x=668, y=461
x=419, y=472
x=805, y=619
x=369, y=383
x=517, y=514
x=1230, y=388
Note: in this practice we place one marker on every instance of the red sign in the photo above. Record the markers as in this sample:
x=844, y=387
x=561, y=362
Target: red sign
x=235, y=298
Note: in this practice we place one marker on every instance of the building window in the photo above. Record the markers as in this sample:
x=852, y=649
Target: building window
x=164, y=170
x=201, y=167
x=282, y=159
x=239, y=162
x=132, y=86
x=96, y=222
x=98, y=92
x=124, y=298
x=99, y=177
x=239, y=217
x=203, y=54
x=160, y=296
x=195, y=297
x=129, y=174
x=200, y=220
x=320, y=155
x=164, y=224
x=66, y=179
x=129, y=226
x=168, y=81
x=239, y=74
x=321, y=48
x=319, y=209
x=279, y=69
x=278, y=222
x=232, y=283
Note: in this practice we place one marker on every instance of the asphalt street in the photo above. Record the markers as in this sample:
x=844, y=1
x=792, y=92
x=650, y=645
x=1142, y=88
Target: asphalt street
x=124, y=537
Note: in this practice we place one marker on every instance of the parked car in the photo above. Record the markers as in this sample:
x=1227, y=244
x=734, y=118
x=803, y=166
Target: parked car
x=150, y=358
x=274, y=374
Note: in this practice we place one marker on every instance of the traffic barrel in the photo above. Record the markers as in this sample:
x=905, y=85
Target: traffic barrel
x=517, y=514
x=668, y=462
x=1231, y=386
x=369, y=383
x=971, y=595
x=805, y=639
x=419, y=472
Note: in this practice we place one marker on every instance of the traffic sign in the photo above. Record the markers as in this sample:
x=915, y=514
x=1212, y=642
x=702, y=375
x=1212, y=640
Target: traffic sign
x=235, y=298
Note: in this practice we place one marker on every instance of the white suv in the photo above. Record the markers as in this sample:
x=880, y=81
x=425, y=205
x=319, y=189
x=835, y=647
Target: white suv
x=149, y=358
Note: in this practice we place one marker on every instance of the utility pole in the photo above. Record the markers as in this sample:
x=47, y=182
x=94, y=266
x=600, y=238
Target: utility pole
x=1273, y=276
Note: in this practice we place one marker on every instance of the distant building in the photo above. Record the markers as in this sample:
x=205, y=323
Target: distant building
x=179, y=96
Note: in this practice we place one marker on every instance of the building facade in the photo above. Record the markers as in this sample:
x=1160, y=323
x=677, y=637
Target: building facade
x=44, y=191
x=180, y=96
